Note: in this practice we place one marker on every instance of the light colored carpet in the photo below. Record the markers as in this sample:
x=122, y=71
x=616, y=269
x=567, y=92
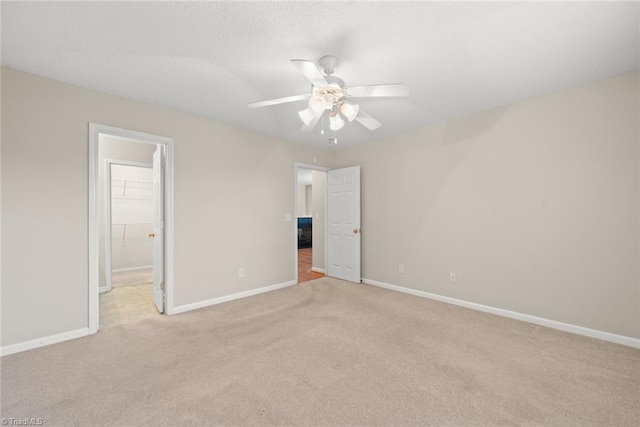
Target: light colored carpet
x=132, y=277
x=127, y=304
x=326, y=353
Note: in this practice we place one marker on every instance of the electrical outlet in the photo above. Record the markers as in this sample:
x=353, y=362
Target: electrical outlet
x=452, y=276
x=241, y=272
x=400, y=268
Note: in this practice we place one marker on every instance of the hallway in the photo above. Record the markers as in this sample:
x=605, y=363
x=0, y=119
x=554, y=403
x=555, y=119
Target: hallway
x=305, y=262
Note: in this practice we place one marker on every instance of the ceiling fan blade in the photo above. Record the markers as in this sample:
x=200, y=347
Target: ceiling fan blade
x=367, y=121
x=311, y=72
x=312, y=124
x=278, y=101
x=395, y=89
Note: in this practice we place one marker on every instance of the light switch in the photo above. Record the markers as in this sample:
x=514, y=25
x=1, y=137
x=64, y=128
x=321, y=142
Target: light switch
x=287, y=217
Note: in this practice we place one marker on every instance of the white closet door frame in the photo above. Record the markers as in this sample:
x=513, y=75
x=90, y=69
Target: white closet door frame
x=95, y=130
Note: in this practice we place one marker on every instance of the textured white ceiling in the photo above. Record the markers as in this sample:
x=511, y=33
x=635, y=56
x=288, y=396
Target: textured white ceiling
x=212, y=58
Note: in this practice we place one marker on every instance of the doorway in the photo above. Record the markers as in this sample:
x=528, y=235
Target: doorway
x=127, y=294
x=130, y=226
x=310, y=195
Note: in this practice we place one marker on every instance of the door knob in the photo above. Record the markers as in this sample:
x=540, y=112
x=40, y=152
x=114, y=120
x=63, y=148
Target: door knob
x=356, y=231
x=152, y=235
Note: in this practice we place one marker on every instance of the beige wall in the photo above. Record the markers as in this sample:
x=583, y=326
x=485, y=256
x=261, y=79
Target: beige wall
x=221, y=175
x=534, y=206
x=318, y=191
x=302, y=202
x=308, y=195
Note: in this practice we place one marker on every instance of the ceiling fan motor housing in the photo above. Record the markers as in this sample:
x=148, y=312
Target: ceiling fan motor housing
x=328, y=63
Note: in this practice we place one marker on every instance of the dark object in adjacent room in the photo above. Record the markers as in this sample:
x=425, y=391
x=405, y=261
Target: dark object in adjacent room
x=304, y=232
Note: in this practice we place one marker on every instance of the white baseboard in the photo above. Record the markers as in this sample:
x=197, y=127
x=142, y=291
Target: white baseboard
x=317, y=270
x=120, y=270
x=41, y=342
x=226, y=298
x=566, y=327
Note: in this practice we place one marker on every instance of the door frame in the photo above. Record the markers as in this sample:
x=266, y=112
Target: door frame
x=95, y=130
x=108, y=268
x=297, y=166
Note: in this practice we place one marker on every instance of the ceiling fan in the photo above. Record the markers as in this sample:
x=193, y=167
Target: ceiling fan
x=329, y=94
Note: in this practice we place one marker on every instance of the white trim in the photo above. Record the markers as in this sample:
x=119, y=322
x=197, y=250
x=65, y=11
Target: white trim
x=317, y=270
x=227, y=298
x=566, y=327
x=108, y=196
x=94, y=274
x=95, y=129
x=108, y=229
x=144, y=267
x=168, y=227
x=41, y=342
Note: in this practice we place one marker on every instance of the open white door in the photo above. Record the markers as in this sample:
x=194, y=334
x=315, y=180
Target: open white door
x=343, y=219
x=158, y=228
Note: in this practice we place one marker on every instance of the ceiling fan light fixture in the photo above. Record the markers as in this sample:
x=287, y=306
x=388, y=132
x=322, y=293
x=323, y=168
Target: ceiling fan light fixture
x=350, y=111
x=329, y=93
x=329, y=99
x=306, y=115
x=317, y=103
x=335, y=121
